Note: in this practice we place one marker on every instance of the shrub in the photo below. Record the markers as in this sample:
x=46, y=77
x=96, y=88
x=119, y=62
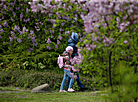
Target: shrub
x=29, y=79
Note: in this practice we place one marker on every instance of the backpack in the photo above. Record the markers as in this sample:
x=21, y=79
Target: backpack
x=60, y=61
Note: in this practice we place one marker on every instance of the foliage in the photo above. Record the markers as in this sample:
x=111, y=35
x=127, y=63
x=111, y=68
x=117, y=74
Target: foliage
x=110, y=39
x=126, y=84
x=27, y=29
x=38, y=34
x=29, y=79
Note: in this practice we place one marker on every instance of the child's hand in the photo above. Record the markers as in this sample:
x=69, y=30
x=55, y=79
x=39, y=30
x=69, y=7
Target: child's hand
x=75, y=76
x=74, y=70
x=78, y=70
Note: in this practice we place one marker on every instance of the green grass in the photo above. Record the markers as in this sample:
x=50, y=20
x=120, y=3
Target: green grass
x=27, y=96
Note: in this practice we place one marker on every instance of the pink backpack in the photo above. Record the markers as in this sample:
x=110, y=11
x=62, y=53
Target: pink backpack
x=60, y=61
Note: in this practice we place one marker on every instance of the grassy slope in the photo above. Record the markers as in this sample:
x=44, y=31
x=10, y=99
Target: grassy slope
x=27, y=96
x=23, y=95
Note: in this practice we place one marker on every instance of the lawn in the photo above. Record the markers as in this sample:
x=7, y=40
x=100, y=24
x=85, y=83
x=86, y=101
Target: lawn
x=18, y=95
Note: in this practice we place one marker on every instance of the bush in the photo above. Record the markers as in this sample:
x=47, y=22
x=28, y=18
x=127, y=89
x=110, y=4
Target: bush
x=10, y=77
x=29, y=79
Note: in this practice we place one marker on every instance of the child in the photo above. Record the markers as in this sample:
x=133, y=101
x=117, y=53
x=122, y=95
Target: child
x=67, y=69
x=77, y=60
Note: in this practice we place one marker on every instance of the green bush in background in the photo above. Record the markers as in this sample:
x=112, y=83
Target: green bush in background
x=31, y=78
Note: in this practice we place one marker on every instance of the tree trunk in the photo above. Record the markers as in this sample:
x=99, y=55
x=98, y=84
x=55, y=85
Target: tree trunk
x=135, y=71
x=109, y=72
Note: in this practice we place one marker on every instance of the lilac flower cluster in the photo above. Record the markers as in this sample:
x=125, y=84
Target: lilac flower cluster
x=77, y=59
x=48, y=41
x=30, y=50
x=49, y=48
x=20, y=39
x=46, y=8
x=97, y=8
x=108, y=41
x=5, y=24
x=90, y=47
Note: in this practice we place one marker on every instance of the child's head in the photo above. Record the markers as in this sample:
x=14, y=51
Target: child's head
x=69, y=49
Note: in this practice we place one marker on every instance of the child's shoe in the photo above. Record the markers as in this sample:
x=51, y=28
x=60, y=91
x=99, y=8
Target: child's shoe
x=62, y=91
x=70, y=90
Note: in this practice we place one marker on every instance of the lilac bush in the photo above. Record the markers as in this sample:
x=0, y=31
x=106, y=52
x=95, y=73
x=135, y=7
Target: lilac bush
x=112, y=27
x=107, y=31
x=41, y=26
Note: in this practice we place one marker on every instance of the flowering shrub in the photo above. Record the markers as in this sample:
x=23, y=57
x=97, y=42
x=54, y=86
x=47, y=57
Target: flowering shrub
x=111, y=28
x=107, y=31
x=31, y=27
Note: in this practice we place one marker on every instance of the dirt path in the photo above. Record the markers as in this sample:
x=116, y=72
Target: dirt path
x=9, y=91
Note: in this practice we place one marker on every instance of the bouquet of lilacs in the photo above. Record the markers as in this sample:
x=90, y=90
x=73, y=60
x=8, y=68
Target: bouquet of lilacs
x=76, y=61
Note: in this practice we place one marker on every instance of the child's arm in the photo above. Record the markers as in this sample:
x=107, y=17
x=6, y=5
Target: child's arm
x=75, y=70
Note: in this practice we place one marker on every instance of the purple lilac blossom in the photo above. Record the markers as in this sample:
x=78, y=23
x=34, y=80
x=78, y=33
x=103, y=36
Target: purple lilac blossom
x=19, y=40
x=11, y=39
x=28, y=19
x=29, y=50
x=11, y=9
x=5, y=24
x=24, y=20
x=58, y=42
x=12, y=32
x=56, y=46
x=71, y=25
x=60, y=29
x=29, y=37
x=60, y=37
x=62, y=24
x=80, y=40
x=16, y=28
x=87, y=45
x=31, y=32
x=67, y=31
x=35, y=44
x=21, y=33
x=88, y=48
x=125, y=42
x=17, y=8
x=33, y=39
x=21, y=15
x=38, y=29
x=14, y=37
x=49, y=48
x=14, y=13
x=52, y=31
x=1, y=30
x=10, y=44
x=24, y=28
x=12, y=3
x=2, y=17
x=93, y=46
x=0, y=27
x=5, y=7
x=27, y=10
x=48, y=41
